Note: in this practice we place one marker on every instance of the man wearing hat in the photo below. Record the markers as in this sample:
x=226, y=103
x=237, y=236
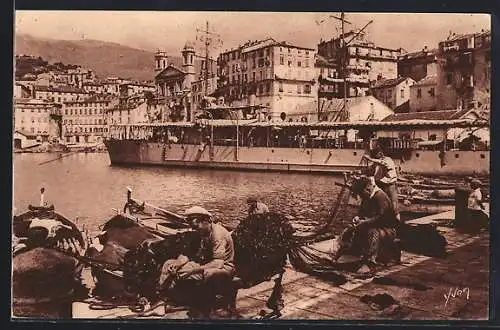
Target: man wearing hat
x=218, y=269
x=256, y=207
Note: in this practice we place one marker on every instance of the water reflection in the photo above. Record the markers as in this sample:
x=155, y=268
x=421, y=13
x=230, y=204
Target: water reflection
x=87, y=187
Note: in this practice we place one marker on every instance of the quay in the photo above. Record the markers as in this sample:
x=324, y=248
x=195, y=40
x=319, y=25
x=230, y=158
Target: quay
x=425, y=288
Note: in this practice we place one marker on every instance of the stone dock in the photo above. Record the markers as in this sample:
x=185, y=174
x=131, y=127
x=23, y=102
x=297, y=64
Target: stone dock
x=420, y=288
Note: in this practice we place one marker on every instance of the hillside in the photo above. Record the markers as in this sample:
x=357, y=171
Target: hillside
x=105, y=58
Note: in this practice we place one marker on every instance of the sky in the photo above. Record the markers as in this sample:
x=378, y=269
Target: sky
x=170, y=30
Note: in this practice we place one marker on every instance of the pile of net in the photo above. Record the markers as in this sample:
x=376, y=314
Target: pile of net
x=262, y=242
x=43, y=273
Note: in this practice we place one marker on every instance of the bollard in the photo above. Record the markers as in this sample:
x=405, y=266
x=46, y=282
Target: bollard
x=461, y=209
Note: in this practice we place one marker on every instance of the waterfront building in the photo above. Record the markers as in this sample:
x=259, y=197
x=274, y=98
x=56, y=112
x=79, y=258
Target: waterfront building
x=395, y=93
x=463, y=138
x=464, y=71
x=38, y=118
x=173, y=84
x=84, y=120
x=135, y=109
x=361, y=62
x=276, y=75
x=418, y=65
x=423, y=95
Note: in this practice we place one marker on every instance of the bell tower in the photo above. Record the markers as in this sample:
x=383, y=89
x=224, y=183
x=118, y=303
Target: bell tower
x=188, y=53
x=161, y=61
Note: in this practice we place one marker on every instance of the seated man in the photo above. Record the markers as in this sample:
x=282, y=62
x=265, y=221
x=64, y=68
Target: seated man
x=479, y=218
x=217, y=251
x=374, y=226
x=256, y=207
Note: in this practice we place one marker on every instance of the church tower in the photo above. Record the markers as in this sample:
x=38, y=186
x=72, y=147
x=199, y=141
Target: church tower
x=188, y=64
x=161, y=61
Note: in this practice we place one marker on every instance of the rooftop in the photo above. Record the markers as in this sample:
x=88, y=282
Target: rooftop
x=428, y=115
x=427, y=80
x=60, y=89
x=384, y=83
x=420, y=54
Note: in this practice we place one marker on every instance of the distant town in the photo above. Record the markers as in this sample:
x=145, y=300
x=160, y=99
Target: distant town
x=68, y=104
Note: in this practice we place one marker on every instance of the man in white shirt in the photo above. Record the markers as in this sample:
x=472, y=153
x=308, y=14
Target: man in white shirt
x=385, y=176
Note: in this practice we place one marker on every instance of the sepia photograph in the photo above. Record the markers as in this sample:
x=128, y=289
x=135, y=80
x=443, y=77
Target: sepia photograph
x=224, y=165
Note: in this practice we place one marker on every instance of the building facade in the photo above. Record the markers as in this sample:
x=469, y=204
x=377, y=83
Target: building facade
x=361, y=62
x=393, y=92
x=423, y=95
x=275, y=75
x=418, y=65
x=38, y=118
x=464, y=71
x=84, y=121
x=59, y=94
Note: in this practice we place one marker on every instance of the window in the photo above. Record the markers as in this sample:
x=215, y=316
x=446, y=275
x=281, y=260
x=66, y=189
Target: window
x=253, y=76
x=261, y=75
x=432, y=92
x=268, y=87
x=299, y=89
x=419, y=93
x=282, y=60
x=307, y=53
x=306, y=63
x=289, y=63
x=281, y=86
x=234, y=55
x=299, y=64
x=402, y=93
x=261, y=89
x=307, y=89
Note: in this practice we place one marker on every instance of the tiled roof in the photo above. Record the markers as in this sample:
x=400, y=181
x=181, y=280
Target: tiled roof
x=419, y=54
x=61, y=89
x=467, y=35
x=428, y=115
x=383, y=83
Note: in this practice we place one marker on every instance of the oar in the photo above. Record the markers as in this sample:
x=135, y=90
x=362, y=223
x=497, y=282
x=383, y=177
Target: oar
x=60, y=157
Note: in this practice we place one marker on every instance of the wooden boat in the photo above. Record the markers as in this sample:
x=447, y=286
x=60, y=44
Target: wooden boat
x=46, y=267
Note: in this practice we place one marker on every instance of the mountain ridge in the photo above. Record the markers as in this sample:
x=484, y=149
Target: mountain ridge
x=103, y=57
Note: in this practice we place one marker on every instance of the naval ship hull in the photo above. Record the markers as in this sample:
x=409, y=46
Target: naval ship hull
x=312, y=160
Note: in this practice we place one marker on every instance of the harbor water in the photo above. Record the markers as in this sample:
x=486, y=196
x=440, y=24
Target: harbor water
x=87, y=188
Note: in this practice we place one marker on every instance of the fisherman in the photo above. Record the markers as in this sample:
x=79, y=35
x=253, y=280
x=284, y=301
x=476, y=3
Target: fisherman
x=217, y=269
x=385, y=175
x=475, y=206
x=256, y=207
x=374, y=225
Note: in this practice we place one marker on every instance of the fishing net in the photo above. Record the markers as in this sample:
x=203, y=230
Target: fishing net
x=43, y=273
x=262, y=242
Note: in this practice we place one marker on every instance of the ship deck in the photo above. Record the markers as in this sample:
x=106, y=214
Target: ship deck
x=307, y=297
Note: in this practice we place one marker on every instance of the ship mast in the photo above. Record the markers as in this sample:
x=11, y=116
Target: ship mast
x=209, y=39
x=343, y=114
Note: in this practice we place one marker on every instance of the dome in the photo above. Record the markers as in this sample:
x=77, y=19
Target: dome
x=189, y=46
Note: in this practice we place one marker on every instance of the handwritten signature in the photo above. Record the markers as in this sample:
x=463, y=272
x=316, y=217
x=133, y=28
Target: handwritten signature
x=456, y=292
